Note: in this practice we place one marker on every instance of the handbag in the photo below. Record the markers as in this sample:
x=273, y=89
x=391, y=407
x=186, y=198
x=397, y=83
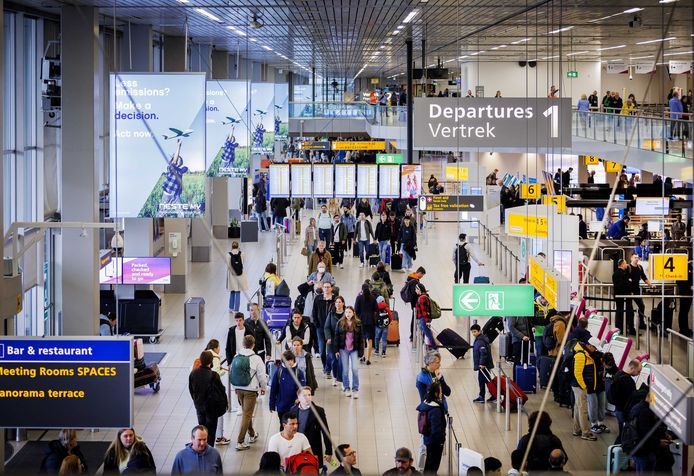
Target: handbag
x=216, y=403
x=304, y=251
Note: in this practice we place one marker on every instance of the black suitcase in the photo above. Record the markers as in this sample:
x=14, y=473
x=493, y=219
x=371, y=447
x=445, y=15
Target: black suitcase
x=455, y=344
x=396, y=261
x=492, y=328
x=545, y=369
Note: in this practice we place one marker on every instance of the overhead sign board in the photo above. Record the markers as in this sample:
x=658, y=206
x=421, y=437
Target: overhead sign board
x=492, y=300
x=672, y=399
x=456, y=172
x=591, y=160
x=572, y=74
x=530, y=191
x=66, y=382
x=315, y=145
x=359, y=145
x=612, y=167
x=451, y=203
x=492, y=122
x=558, y=200
x=667, y=267
x=549, y=283
x=389, y=159
x=530, y=226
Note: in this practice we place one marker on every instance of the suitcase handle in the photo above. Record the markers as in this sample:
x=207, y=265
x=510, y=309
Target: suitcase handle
x=523, y=341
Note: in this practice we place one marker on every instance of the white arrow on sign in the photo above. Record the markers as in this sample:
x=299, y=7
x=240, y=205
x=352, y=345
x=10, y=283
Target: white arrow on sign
x=470, y=300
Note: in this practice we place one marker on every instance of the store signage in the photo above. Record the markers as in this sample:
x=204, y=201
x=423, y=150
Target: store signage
x=672, y=399
x=530, y=226
x=558, y=200
x=492, y=300
x=530, y=191
x=66, y=382
x=389, y=159
x=572, y=74
x=492, y=122
x=549, y=283
x=451, y=203
x=667, y=267
x=359, y=145
x=591, y=160
x=315, y=145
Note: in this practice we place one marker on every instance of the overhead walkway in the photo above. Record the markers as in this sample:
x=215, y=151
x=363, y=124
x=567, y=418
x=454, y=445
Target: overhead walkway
x=593, y=133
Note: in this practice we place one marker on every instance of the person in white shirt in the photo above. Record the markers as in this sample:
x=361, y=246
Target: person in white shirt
x=248, y=394
x=363, y=235
x=289, y=442
x=325, y=224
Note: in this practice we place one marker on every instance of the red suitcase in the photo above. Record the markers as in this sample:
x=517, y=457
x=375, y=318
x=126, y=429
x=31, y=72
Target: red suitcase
x=514, y=391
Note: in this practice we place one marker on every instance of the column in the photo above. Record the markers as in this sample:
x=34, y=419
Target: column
x=174, y=53
x=220, y=64
x=410, y=100
x=138, y=237
x=201, y=59
x=79, y=300
x=220, y=206
x=177, y=229
x=136, y=48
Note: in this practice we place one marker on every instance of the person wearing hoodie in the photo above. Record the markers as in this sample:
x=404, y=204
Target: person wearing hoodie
x=384, y=317
x=378, y=287
x=59, y=449
x=558, y=328
x=236, y=280
x=215, y=350
x=583, y=381
x=383, y=236
x=329, y=329
x=407, y=237
x=119, y=453
x=247, y=395
x=544, y=442
x=304, y=362
x=482, y=361
x=434, y=433
x=283, y=388
x=198, y=457
x=350, y=223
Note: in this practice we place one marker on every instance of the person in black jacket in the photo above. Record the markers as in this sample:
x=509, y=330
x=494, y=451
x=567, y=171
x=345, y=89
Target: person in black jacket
x=366, y=308
x=259, y=329
x=200, y=384
x=637, y=275
x=622, y=287
x=643, y=420
x=435, y=436
x=408, y=242
x=235, y=338
x=122, y=450
x=279, y=210
x=544, y=442
x=363, y=206
x=394, y=225
x=141, y=460
x=582, y=228
x=59, y=449
x=622, y=387
x=322, y=305
x=382, y=235
x=481, y=361
x=313, y=424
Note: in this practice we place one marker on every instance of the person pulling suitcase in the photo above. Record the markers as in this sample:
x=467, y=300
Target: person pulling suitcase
x=482, y=362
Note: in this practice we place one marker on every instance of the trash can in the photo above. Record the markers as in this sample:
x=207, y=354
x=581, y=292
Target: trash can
x=194, y=310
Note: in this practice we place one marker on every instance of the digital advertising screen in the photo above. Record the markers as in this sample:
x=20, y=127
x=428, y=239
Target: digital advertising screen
x=157, y=144
x=323, y=180
x=389, y=181
x=281, y=120
x=146, y=270
x=367, y=181
x=279, y=180
x=227, y=121
x=345, y=180
x=652, y=206
x=301, y=180
x=263, y=118
x=410, y=181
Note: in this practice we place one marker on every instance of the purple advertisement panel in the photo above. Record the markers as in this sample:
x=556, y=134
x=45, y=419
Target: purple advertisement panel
x=146, y=270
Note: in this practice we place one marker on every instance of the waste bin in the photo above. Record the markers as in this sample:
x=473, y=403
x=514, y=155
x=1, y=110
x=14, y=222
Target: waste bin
x=194, y=310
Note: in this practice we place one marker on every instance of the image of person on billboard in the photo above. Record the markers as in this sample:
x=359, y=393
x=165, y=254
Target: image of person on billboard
x=229, y=152
x=412, y=186
x=172, y=187
x=259, y=132
x=278, y=121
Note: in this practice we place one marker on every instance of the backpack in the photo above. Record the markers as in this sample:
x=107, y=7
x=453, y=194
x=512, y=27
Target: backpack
x=216, y=403
x=548, y=338
x=567, y=361
x=423, y=424
x=240, y=373
x=463, y=255
x=302, y=463
x=406, y=291
x=282, y=289
x=383, y=319
x=434, y=309
x=630, y=435
x=614, y=397
x=236, y=264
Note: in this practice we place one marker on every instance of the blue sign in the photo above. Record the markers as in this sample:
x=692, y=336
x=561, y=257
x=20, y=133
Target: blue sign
x=44, y=350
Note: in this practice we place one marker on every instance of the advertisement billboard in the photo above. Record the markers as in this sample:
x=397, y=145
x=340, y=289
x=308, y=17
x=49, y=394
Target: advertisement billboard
x=227, y=129
x=157, y=144
x=410, y=181
x=263, y=118
x=145, y=270
x=281, y=120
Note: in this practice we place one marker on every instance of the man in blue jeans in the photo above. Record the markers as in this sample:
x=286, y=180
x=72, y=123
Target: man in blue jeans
x=363, y=235
x=423, y=309
x=623, y=386
x=383, y=237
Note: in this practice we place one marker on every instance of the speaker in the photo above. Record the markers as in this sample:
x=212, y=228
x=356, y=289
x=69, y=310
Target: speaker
x=532, y=64
x=522, y=64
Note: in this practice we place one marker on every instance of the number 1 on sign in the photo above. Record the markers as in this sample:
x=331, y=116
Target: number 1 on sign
x=554, y=124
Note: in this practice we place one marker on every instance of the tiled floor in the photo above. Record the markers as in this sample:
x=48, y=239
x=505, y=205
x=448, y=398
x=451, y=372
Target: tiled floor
x=383, y=418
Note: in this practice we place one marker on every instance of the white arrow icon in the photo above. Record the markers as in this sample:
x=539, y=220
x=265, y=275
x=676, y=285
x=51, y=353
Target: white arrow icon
x=470, y=300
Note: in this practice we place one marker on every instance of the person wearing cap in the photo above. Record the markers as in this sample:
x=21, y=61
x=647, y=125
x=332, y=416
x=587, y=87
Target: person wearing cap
x=403, y=464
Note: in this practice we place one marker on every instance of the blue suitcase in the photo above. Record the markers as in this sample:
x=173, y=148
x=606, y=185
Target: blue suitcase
x=277, y=301
x=481, y=280
x=276, y=317
x=526, y=377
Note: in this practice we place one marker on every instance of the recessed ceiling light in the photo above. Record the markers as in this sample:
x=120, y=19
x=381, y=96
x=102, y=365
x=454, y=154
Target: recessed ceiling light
x=633, y=10
x=641, y=57
x=667, y=1
x=503, y=46
x=520, y=41
x=576, y=53
x=183, y=1
x=611, y=48
x=253, y=40
x=400, y=27
x=463, y=57
x=566, y=28
x=550, y=57
x=239, y=32
x=616, y=59
x=209, y=15
x=267, y=47
x=680, y=53
x=410, y=16
x=395, y=32
x=382, y=46
x=656, y=41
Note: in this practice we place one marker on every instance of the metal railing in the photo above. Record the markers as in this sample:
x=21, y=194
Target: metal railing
x=690, y=352
x=503, y=257
x=657, y=134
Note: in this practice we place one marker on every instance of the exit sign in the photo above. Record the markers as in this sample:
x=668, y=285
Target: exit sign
x=491, y=300
x=572, y=74
x=389, y=158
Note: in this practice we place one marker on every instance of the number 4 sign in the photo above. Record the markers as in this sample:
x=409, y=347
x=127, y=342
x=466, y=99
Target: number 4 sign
x=667, y=267
x=530, y=191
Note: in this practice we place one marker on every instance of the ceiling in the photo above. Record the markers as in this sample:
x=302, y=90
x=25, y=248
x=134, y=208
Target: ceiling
x=343, y=38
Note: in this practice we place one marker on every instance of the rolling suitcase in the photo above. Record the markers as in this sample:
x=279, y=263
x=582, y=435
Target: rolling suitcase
x=388, y=254
x=545, y=369
x=396, y=261
x=505, y=346
x=526, y=375
x=148, y=376
x=492, y=328
x=455, y=344
x=514, y=391
x=617, y=460
x=355, y=249
x=373, y=254
x=394, y=330
x=481, y=280
x=277, y=301
x=276, y=317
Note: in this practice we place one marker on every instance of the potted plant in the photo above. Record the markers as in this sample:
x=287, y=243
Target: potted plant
x=234, y=230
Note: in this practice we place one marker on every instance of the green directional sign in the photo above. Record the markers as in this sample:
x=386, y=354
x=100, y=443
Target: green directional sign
x=572, y=74
x=389, y=159
x=492, y=300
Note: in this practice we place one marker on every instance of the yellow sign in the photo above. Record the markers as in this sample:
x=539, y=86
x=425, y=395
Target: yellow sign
x=374, y=80
x=652, y=144
x=591, y=160
x=558, y=200
x=359, y=145
x=550, y=290
x=527, y=225
x=612, y=166
x=536, y=275
x=18, y=307
x=453, y=172
x=543, y=282
x=531, y=191
x=667, y=267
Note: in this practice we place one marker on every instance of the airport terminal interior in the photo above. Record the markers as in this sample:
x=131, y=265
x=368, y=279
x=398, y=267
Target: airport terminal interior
x=316, y=237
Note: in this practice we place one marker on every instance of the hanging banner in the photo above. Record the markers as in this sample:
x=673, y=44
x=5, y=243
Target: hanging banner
x=644, y=67
x=281, y=121
x=410, y=181
x=157, y=145
x=617, y=67
x=262, y=118
x=680, y=67
x=227, y=129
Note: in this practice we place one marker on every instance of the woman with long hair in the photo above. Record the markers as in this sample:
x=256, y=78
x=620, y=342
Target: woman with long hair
x=365, y=306
x=435, y=432
x=329, y=329
x=120, y=452
x=215, y=349
x=311, y=237
x=349, y=347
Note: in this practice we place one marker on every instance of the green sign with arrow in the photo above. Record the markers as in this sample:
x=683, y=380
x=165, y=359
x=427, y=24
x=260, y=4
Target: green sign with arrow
x=493, y=300
x=389, y=159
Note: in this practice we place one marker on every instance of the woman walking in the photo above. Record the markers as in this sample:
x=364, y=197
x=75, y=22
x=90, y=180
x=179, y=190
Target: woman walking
x=366, y=307
x=349, y=346
x=311, y=238
x=236, y=280
x=334, y=316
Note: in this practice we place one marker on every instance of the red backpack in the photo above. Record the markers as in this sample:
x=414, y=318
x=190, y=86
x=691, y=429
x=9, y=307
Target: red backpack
x=303, y=463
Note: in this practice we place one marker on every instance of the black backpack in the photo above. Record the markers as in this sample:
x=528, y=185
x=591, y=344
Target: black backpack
x=567, y=361
x=236, y=263
x=548, y=339
x=463, y=255
x=406, y=292
x=630, y=435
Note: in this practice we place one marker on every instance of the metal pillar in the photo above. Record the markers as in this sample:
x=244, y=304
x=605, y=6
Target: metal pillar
x=410, y=98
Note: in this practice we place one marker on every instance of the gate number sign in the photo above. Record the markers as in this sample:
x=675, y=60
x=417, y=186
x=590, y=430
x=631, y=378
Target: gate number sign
x=668, y=267
x=530, y=191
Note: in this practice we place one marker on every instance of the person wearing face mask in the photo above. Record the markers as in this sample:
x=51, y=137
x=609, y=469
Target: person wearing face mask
x=313, y=424
x=331, y=321
x=339, y=235
x=321, y=255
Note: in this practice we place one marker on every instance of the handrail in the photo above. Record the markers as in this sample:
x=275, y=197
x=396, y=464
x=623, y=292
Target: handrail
x=671, y=332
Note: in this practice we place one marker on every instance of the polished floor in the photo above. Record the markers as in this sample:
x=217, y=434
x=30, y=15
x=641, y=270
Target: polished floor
x=384, y=416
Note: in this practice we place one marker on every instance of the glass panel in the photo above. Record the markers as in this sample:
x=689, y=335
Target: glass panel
x=8, y=155
x=31, y=77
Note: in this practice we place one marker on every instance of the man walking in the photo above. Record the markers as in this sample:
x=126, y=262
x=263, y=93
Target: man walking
x=197, y=457
x=261, y=332
x=313, y=424
x=461, y=259
x=248, y=376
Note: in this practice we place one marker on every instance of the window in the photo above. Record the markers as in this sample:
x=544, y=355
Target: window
x=9, y=120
